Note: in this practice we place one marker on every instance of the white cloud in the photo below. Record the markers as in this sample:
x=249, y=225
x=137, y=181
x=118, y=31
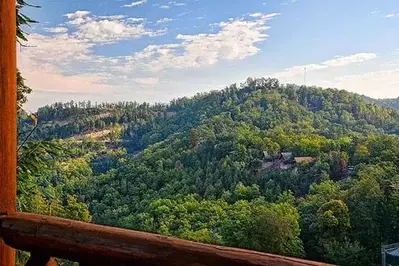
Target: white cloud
x=66, y=62
x=256, y=15
x=135, y=19
x=147, y=80
x=108, y=29
x=112, y=17
x=42, y=65
x=136, y=3
x=262, y=16
x=79, y=17
x=78, y=14
x=237, y=39
x=378, y=84
x=55, y=48
x=165, y=20
x=111, y=30
x=170, y=5
x=184, y=13
x=392, y=15
x=339, y=61
x=347, y=60
x=175, y=3
x=57, y=30
x=51, y=81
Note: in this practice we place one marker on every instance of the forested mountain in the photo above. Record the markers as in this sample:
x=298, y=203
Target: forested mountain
x=394, y=103
x=195, y=169
x=389, y=103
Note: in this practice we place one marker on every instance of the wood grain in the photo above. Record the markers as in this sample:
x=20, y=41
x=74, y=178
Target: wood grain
x=100, y=245
x=8, y=118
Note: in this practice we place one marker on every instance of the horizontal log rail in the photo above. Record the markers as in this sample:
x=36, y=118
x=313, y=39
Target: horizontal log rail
x=91, y=244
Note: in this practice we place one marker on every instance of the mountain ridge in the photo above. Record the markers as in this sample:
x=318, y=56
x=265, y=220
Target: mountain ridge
x=193, y=168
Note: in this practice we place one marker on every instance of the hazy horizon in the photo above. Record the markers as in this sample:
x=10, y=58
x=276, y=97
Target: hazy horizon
x=34, y=109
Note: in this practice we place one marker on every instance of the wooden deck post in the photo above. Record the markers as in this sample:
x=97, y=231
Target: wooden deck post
x=8, y=119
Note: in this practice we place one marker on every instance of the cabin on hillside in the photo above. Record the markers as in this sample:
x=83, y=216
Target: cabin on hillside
x=305, y=159
x=282, y=161
x=267, y=156
x=286, y=160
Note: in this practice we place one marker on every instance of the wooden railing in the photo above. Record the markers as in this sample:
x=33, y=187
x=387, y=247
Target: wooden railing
x=91, y=244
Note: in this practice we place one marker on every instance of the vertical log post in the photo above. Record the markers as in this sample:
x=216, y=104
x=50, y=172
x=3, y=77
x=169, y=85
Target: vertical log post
x=8, y=119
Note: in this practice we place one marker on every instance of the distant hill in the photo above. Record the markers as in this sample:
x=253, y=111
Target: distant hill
x=64, y=120
x=393, y=103
x=194, y=168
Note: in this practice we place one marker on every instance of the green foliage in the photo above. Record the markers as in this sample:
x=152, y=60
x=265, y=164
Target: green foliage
x=22, y=91
x=194, y=169
x=22, y=20
x=333, y=219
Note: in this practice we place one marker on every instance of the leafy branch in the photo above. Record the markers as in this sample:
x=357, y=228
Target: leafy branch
x=23, y=20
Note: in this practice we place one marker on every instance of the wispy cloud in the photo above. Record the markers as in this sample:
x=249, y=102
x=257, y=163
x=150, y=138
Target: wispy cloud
x=136, y=3
x=107, y=29
x=339, y=61
x=175, y=3
x=147, y=80
x=350, y=59
x=57, y=30
x=256, y=15
x=170, y=4
x=77, y=14
x=392, y=15
x=49, y=57
x=165, y=20
x=68, y=57
x=184, y=13
x=236, y=39
x=378, y=84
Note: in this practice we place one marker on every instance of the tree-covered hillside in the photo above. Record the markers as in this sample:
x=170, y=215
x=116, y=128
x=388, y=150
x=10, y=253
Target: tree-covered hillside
x=394, y=103
x=388, y=103
x=195, y=169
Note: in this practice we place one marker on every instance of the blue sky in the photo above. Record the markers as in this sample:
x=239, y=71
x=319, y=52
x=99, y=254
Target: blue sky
x=157, y=50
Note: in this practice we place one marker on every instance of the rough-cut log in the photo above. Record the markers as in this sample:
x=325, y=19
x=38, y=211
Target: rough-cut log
x=8, y=119
x=100, y=245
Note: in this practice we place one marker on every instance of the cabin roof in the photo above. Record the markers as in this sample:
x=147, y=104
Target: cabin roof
x=305, y=159
x=267, y=155
x=287, y=156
